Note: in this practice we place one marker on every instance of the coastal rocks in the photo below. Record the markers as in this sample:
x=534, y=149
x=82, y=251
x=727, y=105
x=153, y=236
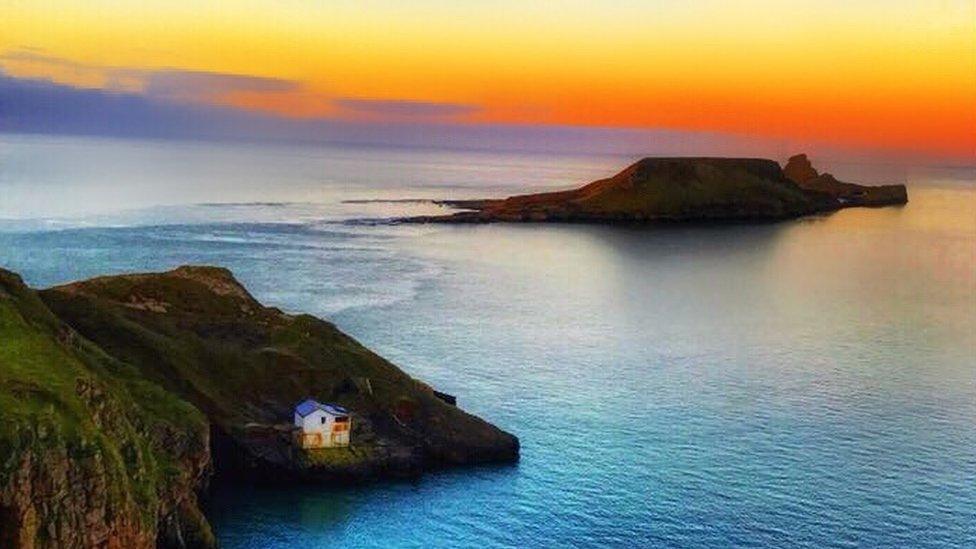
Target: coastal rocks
x=245, y=366
x=115, y=416
x=89, y=456
x=681, y=190
x=800, y=171
x=51, y=499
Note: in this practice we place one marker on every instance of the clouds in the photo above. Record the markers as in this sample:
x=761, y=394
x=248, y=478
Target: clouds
x=43, y=106
x=175, y=103
x=403, y=109
x=37, y=56
x=36, y=63
x=210, y=87
x=244, y=91
x=169, y=84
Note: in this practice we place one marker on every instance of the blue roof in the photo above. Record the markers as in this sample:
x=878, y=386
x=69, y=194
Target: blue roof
x=308, y=406
x=335, y=409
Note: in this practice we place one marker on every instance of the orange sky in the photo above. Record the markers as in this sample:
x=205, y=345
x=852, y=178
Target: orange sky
x=881, y=74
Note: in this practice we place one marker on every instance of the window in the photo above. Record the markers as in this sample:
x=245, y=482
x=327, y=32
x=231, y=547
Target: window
x=323, y=420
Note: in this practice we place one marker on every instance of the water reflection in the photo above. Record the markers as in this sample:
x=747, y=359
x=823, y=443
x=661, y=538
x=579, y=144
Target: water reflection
x=807, y=383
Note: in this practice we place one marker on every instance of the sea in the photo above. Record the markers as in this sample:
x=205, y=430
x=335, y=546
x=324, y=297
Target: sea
x=809, y=383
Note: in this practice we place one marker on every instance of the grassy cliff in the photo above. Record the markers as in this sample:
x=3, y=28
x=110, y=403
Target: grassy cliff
x=199, y=334
x=119, y=396
x=91, y=454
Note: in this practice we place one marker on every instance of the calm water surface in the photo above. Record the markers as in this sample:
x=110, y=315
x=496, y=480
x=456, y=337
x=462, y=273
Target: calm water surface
x=810, y=383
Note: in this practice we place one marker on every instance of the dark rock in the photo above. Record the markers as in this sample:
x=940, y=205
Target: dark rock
x=799, y=169
x=450, y=399
x=847, y=195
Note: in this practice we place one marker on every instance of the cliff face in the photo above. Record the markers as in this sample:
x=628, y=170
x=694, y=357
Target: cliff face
x=683, y=189
x=801, y=171
x=199, y=334
x=119, y=397
x=90, y=454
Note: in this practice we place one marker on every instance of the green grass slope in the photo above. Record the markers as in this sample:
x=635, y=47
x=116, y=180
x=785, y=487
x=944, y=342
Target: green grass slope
x=91, y=454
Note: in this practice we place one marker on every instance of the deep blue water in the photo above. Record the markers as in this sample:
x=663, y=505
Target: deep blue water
x=810, y=383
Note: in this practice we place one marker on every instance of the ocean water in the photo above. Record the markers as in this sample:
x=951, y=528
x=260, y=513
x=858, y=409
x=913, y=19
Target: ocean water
x=801, y=384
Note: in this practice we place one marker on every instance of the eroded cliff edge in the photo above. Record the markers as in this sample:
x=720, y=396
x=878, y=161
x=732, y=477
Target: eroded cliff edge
x=91, y=454
x=683, y=189
x=121, y=395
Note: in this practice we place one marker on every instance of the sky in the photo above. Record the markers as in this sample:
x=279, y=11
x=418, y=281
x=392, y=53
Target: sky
x=890, y=76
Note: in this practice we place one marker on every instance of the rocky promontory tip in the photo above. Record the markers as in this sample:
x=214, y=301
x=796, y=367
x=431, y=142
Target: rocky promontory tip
x=684, y=189
x=800, y=171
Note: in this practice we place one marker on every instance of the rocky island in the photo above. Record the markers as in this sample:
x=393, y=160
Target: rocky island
x=683, y=189
x=122, y=397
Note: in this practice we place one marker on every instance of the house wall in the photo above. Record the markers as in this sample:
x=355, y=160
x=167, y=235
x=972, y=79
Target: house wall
x=340, y=439
x=313, y=422
x=316, y=434
x=339, y=433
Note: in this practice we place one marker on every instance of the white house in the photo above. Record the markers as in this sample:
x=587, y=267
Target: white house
x=322, y=425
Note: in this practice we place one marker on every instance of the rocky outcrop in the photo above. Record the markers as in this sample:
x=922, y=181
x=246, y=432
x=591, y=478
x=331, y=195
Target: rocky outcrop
x=121, y=396
x=199, y=334
x=683, y=189
x=799, y=170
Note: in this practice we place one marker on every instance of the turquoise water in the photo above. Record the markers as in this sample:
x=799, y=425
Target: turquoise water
x=810, y=383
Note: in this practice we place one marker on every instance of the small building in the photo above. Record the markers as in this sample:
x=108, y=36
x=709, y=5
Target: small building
x=321, y=425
